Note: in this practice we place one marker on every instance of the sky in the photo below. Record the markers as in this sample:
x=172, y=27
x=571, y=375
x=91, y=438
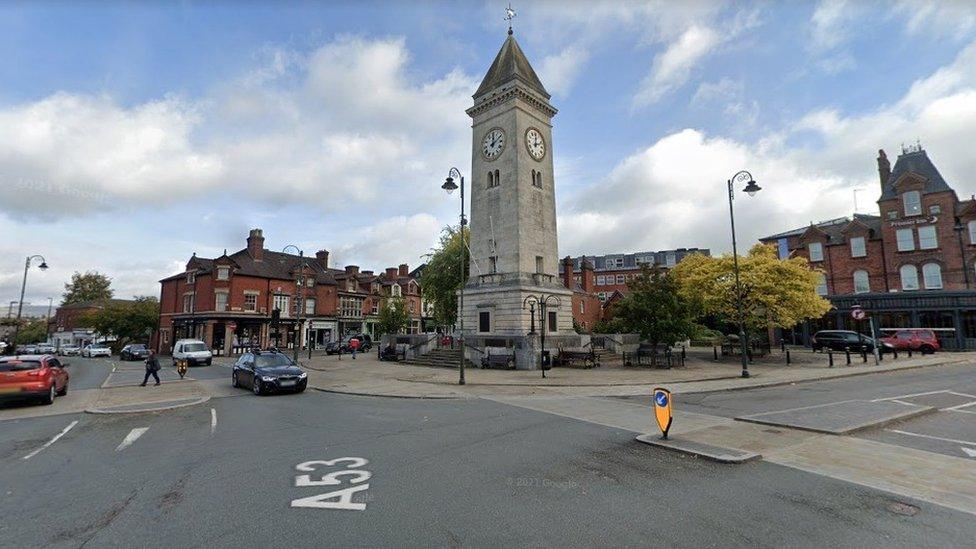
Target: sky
x=135, y=134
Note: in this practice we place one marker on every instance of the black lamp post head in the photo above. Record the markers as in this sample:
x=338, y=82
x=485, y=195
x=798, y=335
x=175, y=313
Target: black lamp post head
x=752, y=188
x=42, y=266
x=450, y=186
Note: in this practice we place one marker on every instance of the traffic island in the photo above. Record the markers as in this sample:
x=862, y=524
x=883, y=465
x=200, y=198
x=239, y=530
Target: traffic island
x=149, y=406
x=840, y=418
x=698, y=449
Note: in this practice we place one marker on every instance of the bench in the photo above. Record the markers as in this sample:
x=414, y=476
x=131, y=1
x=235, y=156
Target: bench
x=393, y=354
x=587, y=359
x=498, y=362
x=654, y=357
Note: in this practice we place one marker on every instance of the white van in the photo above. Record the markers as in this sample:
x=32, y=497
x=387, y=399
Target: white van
x=193, y=351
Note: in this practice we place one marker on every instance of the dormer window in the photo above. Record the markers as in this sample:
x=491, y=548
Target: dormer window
x=223, y=273
x=857, y=247
x=913, y=203
x=191, y=278
x=816, y=251
x=396, y=291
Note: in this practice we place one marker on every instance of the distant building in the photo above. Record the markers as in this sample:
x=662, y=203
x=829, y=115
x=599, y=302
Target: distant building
x=612, y=272
x=67, y=327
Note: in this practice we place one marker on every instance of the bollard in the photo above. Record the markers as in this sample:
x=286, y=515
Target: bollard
x=787, y=357
x=782, y=345
x=830, y=357
x=715, y=352
x=909, y=352
x=847, y=353
x=864, y=354
x=895, y=353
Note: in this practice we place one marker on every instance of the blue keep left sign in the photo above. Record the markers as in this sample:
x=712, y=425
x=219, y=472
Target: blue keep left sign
x=661, y=399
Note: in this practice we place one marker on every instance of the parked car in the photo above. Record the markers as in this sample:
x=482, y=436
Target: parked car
x=29, y=349
x=193, y=351
x=45, y=349
x=268, y=372
x=134, y=351
x=69, y=350
x=839, y=340
x=915, y=339
x=33, y=376
x=333, y=347
x=96, y=349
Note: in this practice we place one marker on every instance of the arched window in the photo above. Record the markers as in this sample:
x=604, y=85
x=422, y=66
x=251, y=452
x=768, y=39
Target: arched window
x=491, y=179
x=537, y=179
x=498, y=180
x=909, y=277
x=932, y=276
x=972, y=231
x=861, y=283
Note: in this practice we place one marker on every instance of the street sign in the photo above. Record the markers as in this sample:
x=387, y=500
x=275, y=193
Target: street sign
x=662, y=410
x=858, y=314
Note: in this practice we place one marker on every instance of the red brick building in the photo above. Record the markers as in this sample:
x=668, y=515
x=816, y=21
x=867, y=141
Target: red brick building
x=66, y=327
x=228, y=301
x=587, y=309
x=923, y=245
x=612, y=272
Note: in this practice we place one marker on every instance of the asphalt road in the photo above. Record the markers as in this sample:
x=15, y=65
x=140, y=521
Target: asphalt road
x=440, y=473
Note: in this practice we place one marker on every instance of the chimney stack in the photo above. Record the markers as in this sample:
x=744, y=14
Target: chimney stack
x=568, y=272
x=391, y=273
x=323, y=258
x=884, y=168
x=404, y=270
x=255, y=244
x=588, y=277
x=352, y=269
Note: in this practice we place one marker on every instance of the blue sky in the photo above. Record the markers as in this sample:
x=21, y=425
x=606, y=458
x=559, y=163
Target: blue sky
x=134, y=134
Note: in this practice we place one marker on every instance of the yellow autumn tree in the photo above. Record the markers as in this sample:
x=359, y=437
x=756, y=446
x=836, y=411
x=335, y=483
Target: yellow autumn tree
x=775, y=292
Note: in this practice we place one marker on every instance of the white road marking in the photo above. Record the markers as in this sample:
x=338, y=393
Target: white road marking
x=911, y=395
x=960, y=411
x=52, y=441
x=969, y=451
x=213, y=421
x=962, y=394
x=957, y=441
x=902, y=402
x=131, y=437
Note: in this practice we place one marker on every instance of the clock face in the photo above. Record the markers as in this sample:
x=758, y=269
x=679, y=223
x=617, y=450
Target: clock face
x=493, y=144
x=535, y=143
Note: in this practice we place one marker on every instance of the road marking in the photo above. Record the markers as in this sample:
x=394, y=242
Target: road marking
x=911, y=395
x=969, y=451
x=957, y=408
x=213, y=421
x=957, y=441
x=52, y=441
x=131, y=437
x=960, y=411
x=962, y=394
x=338, y=499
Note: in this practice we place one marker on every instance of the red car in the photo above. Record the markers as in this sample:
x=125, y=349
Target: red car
x=916, y=339
x=30, y=376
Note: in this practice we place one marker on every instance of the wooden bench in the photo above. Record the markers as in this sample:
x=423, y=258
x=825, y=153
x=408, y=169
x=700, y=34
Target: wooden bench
x=587, y=359
x=498, y=362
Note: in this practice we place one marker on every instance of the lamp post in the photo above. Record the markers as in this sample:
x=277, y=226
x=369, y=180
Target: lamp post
x=23, y=288
x=958, y=227
x=299, y=293
x=449, y=186
x=751, y=189
x=543, y=302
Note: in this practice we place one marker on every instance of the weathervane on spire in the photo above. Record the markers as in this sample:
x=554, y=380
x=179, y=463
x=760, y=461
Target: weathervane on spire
x=509, y=15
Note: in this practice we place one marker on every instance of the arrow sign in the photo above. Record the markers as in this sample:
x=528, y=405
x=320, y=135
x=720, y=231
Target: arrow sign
x=969, y=452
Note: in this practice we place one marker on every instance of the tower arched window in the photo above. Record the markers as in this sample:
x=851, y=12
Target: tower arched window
x=491, y=179
x=932, y=276
x=498, y=180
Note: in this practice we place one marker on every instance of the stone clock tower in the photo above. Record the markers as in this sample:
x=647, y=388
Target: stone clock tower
x=513, y=205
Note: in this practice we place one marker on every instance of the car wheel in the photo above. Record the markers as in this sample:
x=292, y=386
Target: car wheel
x=51, y=393
x=927, y=349
x=256, y=386
x=234, y=380
x=63, y=391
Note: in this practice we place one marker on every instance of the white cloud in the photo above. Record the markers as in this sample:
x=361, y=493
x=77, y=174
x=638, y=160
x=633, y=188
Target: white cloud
x=953, y=18
x=390, y=241
x=673, y=67
x=559, y=72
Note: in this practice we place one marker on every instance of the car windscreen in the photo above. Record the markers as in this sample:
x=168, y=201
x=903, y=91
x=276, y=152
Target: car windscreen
x=194, y=347
x=270, y=361
x=137, y=348
x=99, y=346
x=17, y=365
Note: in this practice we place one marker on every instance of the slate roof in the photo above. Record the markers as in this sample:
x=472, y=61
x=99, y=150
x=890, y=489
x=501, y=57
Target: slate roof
x=915, y=162
x=274, y=265
x=608, y=261
x=511, y=64
x=833, y=228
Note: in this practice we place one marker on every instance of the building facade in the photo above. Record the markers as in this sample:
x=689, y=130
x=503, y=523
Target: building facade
x=229, y=302
x=67, y=327
x=922, y=247
x=612, y=272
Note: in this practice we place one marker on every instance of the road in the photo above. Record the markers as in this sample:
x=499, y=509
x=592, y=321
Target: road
x=431, y=473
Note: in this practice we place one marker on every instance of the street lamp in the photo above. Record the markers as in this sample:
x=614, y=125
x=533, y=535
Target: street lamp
x=543, y=302
x=23, y=287
x=958, y=227
x=450, y=186
x=299, y=304
x=751, y=189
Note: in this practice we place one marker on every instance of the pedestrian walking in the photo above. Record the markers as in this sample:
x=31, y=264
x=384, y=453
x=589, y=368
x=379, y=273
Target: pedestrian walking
x=354, y=345
x=152, y=366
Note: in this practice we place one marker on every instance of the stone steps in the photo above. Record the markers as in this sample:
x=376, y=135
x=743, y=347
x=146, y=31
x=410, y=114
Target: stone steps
x=440, y=358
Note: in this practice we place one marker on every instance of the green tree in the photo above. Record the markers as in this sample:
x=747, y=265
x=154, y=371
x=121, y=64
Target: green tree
x=33, y=331
x=91, y=286
x=126, y=321
x=393, y=317
x=775, y=292
x=655, y=309
x=442, y=276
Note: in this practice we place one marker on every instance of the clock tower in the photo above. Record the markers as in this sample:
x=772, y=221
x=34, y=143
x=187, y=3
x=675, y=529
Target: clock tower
x=513, y=204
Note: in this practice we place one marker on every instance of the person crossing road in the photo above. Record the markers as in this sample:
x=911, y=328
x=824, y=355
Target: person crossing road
x=152, y=367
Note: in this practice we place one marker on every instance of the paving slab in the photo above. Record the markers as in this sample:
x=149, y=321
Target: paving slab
x=700, y=449
x=840, y=418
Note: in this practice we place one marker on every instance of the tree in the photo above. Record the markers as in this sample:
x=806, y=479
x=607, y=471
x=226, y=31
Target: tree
x=775, y=292
x=442, y=276
x=34, y=331
x=91, y=286
x=126, y=321
x=655, y=309
x=393, y=317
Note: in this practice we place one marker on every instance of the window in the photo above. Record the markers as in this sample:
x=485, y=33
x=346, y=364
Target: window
x=893, y=214
x=909, y=277
x=309, y=281
x=310, y=306
x=935, y=209
x=857, y=247
x=552, y=321
x=484, y=321
x=621, y=279
x=932, y=276
x=861, y=282
x=600, y=280
x=497, y=179
x=536, y=179
x=376, y=307
x=396, y=290
x=188, y=304
x=351, y=306
x=582, y=307
x=913, y=203
x=191, y=278
x=251, y=302
x=492, y=264
x=281, y=303
x=670, y=260
x=223, y=273
x=906, y=240
x=972, y=231
x=816, y=251
x=538, y=264
x=220, y=303
x=927, y=238
x=602, y=296
x=822, y=285
x=619, y=262
x=491, y=179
